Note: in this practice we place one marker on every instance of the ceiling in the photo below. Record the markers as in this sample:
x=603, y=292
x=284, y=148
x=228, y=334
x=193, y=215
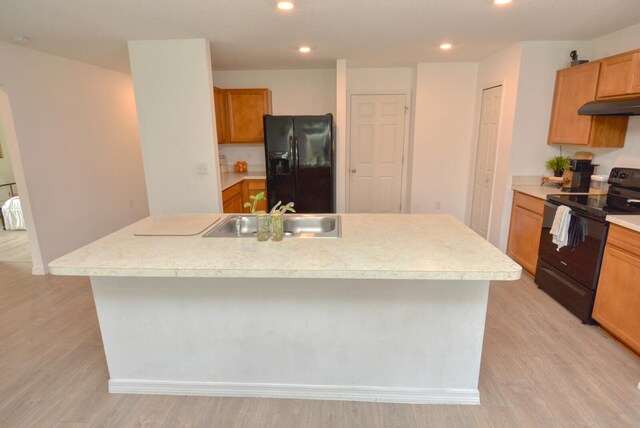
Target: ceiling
x=254, y=34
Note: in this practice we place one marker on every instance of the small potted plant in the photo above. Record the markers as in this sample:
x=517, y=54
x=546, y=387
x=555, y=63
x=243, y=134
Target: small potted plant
x=558, y=164
x=262, y=219
x=277, y=222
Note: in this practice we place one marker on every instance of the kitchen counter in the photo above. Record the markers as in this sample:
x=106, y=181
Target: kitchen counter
x=409, y=246
x=393, y=311
x=228, y=179
x=629, y=221
x=541, y=192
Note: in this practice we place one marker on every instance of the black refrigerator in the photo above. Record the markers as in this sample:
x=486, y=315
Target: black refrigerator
x=299, y=156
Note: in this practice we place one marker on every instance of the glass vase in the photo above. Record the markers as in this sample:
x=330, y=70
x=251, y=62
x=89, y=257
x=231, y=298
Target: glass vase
x=277, y=232
x=263, y=230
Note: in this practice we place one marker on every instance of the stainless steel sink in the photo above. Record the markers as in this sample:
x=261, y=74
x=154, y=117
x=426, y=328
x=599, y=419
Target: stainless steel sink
x=294, y=225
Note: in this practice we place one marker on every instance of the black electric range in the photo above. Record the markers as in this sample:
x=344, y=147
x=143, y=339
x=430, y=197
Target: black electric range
x=570, y=274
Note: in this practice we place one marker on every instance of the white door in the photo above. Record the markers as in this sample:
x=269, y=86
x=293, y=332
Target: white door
x=376, y=152
x=486, y=159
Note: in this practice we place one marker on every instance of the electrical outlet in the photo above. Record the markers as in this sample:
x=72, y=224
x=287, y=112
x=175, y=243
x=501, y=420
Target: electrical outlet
x=202, y=169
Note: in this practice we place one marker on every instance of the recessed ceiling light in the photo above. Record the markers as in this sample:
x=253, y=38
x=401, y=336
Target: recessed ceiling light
x=501, y=1
x=19, y=38
x=285, y=4
x=446, y=46
x=305, y=49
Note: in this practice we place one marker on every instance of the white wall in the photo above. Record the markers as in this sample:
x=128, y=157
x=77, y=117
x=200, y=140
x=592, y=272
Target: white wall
x=536, y=80
x=294, y=92
x=341, y=135
x=174, y=99
x=382, y=81
x=6, y=171
x=76, y=139
x=442, y=140
x=501, y=68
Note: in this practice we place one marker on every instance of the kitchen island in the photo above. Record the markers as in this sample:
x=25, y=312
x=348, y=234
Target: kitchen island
x=392, y=311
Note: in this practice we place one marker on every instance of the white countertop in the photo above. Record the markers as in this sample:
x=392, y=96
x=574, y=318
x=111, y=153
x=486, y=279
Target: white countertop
x=541, y=192
x=400, y=246
x=228, y=179
x=629, y=221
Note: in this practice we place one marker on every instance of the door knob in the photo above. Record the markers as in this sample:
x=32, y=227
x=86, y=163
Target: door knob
x=353, y=171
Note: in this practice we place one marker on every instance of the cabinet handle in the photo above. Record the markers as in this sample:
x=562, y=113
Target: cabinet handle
x=353, y=171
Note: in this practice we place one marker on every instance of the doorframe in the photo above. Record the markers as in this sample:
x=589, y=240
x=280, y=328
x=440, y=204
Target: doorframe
x=404, y=196
x=8, y=124
x=474, y=151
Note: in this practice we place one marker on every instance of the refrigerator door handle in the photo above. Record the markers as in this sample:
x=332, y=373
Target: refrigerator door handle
x=296, y=161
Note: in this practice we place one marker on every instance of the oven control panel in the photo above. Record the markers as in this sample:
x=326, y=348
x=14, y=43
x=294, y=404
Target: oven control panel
x=625, y=177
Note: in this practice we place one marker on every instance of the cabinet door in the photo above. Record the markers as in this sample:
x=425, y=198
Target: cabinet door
x=524, y=234
x=245, y=109
x=232, y=199
x=618, y=296
x=617, y=76
x=576, y=86
x=635, y=74
x=222, y=128
x=253, y=187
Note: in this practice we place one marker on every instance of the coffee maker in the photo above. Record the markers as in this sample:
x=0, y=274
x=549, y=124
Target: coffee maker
x=578, y=177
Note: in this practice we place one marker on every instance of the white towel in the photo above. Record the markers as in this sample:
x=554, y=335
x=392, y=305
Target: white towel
x=560, y=227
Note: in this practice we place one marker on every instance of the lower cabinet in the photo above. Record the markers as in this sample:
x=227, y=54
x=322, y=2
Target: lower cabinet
x=524, y=230
x=232, y=199
x=618, y=295
x=252, y=188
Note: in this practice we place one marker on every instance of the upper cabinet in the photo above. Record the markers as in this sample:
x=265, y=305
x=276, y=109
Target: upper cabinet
x=619, y=75
x=576, y=86
x=222, y=122
x=239, y=114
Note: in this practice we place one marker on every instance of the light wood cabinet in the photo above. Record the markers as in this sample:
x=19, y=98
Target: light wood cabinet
x=617, y=305
x=524, y=230
x=232, y=199
x=245, y=109
x=576, y=86
x=222, y=121
x=619, y=76
x=253, y=187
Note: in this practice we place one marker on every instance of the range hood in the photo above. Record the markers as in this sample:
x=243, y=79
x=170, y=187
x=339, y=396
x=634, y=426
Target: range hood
x=626, y=107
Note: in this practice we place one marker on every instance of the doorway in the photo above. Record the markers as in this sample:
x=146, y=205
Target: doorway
x=484, y=172
x=14, y=241
x=376, y=153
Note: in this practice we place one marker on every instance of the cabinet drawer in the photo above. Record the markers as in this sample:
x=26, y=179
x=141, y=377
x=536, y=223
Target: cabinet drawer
x=256, y=184
x=231, y=192
x=529, y=203
x=624, y=239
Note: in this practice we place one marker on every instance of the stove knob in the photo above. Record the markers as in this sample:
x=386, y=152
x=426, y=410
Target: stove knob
x=623, y=175
x=614, y=173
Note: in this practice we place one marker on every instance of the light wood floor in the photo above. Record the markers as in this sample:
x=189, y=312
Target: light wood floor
x=541, y=368
x=14, y=246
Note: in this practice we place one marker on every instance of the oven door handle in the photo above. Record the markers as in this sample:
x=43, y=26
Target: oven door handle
x=633, y=201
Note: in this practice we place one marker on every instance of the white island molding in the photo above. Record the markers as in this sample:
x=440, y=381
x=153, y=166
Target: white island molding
x=392, y=311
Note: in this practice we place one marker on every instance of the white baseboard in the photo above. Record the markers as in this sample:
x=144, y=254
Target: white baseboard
x=311, y=392
x=39, y=270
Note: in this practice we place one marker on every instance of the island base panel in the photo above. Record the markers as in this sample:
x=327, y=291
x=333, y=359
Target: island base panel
x=366, y=340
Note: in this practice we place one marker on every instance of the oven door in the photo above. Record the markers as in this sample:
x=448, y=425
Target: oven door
x=581, y=263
